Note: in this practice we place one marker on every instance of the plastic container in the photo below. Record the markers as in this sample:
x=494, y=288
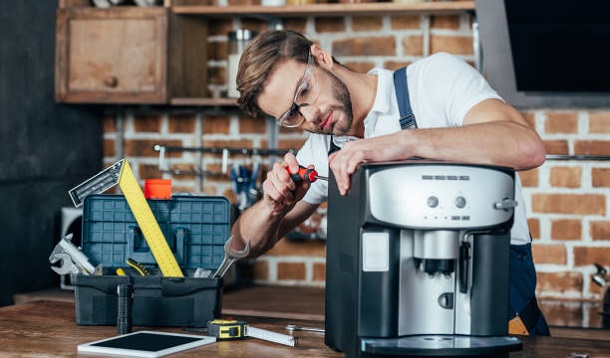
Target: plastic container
x=158, y=188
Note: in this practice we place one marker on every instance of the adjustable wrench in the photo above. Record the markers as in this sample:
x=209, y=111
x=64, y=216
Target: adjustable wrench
x=72, y=259
x=231, y=256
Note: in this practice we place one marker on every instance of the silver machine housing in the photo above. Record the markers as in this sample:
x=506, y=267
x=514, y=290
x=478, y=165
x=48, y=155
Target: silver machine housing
x=417, y=260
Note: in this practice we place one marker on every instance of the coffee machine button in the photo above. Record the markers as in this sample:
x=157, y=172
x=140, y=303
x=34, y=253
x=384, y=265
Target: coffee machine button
x=432, y=201
x=460, y=202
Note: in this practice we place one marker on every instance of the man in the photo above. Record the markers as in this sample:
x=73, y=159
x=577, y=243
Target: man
x=458, y=118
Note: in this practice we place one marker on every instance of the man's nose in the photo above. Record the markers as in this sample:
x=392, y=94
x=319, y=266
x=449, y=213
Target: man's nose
x=310, y=113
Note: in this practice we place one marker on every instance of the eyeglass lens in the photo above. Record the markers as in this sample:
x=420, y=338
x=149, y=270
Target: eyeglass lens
x=306, y=93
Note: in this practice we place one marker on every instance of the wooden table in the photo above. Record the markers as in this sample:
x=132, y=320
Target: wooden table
x=45, y=328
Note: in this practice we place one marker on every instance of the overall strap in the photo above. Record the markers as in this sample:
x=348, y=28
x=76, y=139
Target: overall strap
x=407, y=118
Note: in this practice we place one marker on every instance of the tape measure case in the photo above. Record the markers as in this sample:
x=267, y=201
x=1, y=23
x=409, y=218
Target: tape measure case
x=195, y=228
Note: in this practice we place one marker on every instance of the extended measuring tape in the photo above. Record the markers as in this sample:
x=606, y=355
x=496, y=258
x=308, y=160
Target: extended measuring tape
x=224, y=329
x=121, y=173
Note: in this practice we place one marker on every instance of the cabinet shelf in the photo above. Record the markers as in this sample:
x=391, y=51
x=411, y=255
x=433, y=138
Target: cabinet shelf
x=204, y=102
x=442, y=7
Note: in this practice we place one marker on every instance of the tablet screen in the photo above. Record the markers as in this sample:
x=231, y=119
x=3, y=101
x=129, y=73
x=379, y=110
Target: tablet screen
x=146, y=344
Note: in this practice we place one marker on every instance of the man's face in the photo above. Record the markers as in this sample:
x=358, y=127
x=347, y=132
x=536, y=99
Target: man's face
x=308, y=97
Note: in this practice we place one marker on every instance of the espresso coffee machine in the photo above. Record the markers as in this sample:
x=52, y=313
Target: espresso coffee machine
x=418, y=260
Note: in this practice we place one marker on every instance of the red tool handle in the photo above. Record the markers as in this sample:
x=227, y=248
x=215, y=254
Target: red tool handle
x=307, y=174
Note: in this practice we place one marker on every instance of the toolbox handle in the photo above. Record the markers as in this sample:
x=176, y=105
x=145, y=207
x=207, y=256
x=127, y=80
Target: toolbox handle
x=138, y=249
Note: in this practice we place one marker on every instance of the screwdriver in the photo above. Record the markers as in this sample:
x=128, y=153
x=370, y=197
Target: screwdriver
x=307, y=174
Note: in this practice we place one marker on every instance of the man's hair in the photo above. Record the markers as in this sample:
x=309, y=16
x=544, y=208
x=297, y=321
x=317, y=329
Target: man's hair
x=259, y=59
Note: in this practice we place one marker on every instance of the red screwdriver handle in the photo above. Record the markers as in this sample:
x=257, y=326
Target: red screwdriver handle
x=307, y=174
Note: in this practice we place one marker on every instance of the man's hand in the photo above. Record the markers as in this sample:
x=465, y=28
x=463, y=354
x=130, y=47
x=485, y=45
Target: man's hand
x=281, y=193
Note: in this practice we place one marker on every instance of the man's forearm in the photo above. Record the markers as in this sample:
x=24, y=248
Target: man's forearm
x=259, y=225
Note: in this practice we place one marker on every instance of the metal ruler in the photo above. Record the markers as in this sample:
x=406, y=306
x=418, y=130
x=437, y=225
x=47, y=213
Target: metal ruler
x=121, y=173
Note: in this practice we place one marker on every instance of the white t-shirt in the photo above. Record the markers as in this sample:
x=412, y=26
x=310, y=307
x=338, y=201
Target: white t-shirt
x=442, y=89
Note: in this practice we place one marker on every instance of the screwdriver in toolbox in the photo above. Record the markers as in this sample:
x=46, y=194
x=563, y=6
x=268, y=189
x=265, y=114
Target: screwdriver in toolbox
x=307, y=174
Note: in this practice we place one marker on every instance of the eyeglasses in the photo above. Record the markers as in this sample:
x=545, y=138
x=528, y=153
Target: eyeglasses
x=305, y=94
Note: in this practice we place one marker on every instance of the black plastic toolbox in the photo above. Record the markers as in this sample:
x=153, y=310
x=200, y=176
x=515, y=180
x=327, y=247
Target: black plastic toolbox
x=196, y=229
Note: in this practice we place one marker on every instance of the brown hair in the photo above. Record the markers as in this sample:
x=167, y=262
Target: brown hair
x=259, y=59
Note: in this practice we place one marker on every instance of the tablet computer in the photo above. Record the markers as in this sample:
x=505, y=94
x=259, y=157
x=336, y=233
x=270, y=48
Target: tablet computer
x=145, y=344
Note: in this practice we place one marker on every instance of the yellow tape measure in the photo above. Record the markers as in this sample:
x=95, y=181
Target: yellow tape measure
x=121, y=173
x=147, y=222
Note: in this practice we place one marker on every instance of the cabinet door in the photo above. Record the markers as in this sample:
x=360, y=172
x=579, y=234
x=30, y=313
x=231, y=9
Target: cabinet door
x=116, y=55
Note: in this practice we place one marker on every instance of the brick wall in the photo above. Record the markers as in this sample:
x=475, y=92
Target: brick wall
x=566, y=200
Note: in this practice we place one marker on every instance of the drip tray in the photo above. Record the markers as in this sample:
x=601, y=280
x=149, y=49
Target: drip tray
x=440, y=345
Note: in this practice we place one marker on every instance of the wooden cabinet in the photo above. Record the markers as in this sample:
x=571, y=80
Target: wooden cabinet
x=159, y=54
x=128, y=55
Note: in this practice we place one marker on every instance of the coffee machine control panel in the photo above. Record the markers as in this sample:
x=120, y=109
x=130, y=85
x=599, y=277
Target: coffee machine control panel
x=437, y=195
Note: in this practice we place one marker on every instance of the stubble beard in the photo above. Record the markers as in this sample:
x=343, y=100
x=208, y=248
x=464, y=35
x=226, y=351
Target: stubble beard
x=342, y=95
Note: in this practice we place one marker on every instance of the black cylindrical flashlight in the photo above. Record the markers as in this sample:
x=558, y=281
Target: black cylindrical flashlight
x=125, y=302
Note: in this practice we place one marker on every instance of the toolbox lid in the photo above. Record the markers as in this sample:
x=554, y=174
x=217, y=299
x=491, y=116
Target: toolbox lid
x=195, y=228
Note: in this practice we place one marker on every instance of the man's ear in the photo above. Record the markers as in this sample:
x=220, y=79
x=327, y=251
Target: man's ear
x=323, y=58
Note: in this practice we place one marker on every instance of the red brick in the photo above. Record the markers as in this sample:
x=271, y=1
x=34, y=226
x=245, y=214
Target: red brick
x=561, y=122
x=149, y=124
x=566, y=229
x=362, y=67
x=330, y=24
x=600, y=177
x=148, y=171
x=585, y=256
x=182, y=124
x=450, y=22
x=365, y=46
x=185, y=171
x=599, y=122
x=549, y=254
x=394, y=65
x=319, y=272
x=367, y=23
x=413, y=45
x=563, y=314
x=295, y=24
x=596, y=289
x=287, y=247
x=250, y=125
x=556, y=147
x=291, y=271
x=560, y=282
x=534, y=226
x=109, y=150
x=261, y=270
x=584, y=204
x=600, y=230
x=109, y=124
x=216, y=125
x=459, y=45
x=529, y=178
x=144, y=147
x=291, y=143
x=566, y=177
x=403, y=22
x=592, y=147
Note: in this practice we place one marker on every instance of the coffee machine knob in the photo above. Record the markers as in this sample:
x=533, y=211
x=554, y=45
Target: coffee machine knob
x=432, y=201
x=460, y=202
